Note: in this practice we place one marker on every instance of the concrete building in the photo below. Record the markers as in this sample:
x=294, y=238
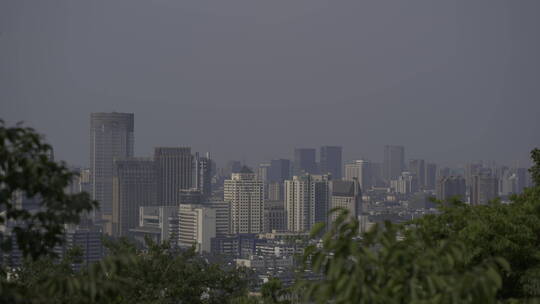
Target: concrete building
x=245, y=194
x=347, y=195
x=451, y=186
x=406, y=183
x=274, y=216
x=203, y=174
x=306, y=201
x=361, y=171
x=222, y=216
x=418, y=168
x=275, y=191
x=331, y=161
x=160, y=223
x=197, y=227
x=280, y=170
x=174, y=168
x=430, y=177
x=87, y=238
x=134, y=186
x=305, y=161
x=394, y=162
x=484, y=188
x=111, y=136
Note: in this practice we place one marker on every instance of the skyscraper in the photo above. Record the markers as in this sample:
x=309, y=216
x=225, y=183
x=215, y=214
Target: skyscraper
x=331, y=161
x=111, y=136
x=134, y=186
x=203, y=174
x=418, y=168
x=346, y=194
x=394, y=162
x=245, y=194
x=306, y=201
x=484, y=188
x=280, y=170
x=174, y=168
x=451, y=186
x=361, y=171
x=304, y=161
x=430, y=176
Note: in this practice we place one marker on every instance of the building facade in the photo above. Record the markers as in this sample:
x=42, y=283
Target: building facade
x=451, y=186
x=111, y=136
x=174, y=169
x=361, y=171
x=306, y=201
x=331, y=161
x=197, y=227
x=245, y=194
x=394, y=162
x=305, y=161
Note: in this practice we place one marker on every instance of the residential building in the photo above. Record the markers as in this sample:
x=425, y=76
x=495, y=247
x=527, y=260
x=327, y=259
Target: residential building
x=245, y=194
x=361, y=171
x=346, y=194
x=451, y=186
x=306, y=201
x=484, y=188
x=274, y=216
x=197, y=226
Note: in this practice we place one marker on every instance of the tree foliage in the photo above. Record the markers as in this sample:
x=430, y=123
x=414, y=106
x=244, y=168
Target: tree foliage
x=26, y=167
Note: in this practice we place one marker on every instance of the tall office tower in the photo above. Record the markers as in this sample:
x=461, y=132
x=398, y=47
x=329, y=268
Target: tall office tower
x=451, y=186
x=508, y=183
x=245, y=194
x=306, y=201
x=430, y=176
x=304, y=161
x=274, y=216
x=347, y=195
x=275, y=191
x=280, y=170
x=203, y=174
x=331, y=161
x=111, y=136
x=174, y=168
x=484, y=188
x=406, y=183
x=134, y=186
x=233, y=166
x=197, y=226
x=222, y=216
x=394, y=162
x=377, y=179
x=418, y=168
x=87, y=238
x=361, y=171
x=160, y=223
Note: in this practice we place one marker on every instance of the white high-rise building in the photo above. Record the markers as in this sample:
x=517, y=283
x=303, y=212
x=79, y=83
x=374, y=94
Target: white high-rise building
x=306, y=201
x=361, y=171
x=346, y=194
x=245, y=195
x=196, y=226
x=111, y=136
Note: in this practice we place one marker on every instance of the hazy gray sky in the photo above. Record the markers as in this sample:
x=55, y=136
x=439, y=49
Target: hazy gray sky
x=451, y=80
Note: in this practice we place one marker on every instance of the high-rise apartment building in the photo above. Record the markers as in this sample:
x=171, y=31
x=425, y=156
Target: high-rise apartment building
x=331, y=161
x=134, y=186
x=406, y=183
x=361, y=171
x=275, y=191
x=306, y=201
x=222, y=216
x=111, y=136
x=418, y=168
x=394, y=162
x=245, y=194
x=451, y=186
x=197, y=226
x=174, y=169
x=346, y=194
x=484, y=188
x=305, y=161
